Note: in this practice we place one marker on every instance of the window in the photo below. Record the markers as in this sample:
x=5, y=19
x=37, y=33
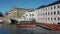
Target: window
x=51, y=13
x=54, y=12
x=26, y=15
x=57, y=12
x=51, y=18
x=48, y=13
x=58, y=18
x=54, y=7
x=54, y=18
x=48, y=18
x=58, y=6
x=51, y=8
x=58, y=23
x=46, y=8
x=43, y=13
x=32, y=14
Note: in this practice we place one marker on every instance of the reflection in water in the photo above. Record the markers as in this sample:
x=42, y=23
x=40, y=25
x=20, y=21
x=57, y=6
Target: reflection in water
x=13, y=29
x=24, y=31
x=3, y=29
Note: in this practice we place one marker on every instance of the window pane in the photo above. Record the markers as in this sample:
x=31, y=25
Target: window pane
x=51, y=13
x=57, y=12
x=58, y=6
x=51, y=18
x=54, y=18
x=48, y=13
x=43, y=13
x=46, y=8
x=32, y=14
x=51, y=7
x=54, y=7
x=58, y=18
x=54, y=12
x=48, y=18
x=26, y=15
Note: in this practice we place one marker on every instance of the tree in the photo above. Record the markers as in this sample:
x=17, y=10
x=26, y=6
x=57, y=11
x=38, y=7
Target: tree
x=1, y=14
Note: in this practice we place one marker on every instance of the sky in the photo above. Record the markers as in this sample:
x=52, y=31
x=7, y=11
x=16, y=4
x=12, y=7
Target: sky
x=6, y=5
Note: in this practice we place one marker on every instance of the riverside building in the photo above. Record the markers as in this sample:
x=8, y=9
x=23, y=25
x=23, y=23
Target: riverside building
x=49, y=14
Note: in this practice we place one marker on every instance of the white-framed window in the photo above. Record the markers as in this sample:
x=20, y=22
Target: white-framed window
x=46, y=8
x=54, y=7
x=54, y=12
x=26, y=14
x=32, y=14
x=54, y=18
x=43, y=13
x=58, y=18
x=51, y=18
x=48, y=18
x=51, y=8
x=58, y=12
x=48, y=13
x=58, y=6
x=51, y=13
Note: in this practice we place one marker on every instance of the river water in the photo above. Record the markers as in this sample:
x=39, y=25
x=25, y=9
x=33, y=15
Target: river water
x=13, y=29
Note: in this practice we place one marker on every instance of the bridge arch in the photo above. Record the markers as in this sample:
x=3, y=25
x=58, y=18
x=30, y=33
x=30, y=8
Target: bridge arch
x=13, y=21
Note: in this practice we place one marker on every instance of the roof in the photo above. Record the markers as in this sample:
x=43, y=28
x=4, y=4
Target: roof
x=54, y=3
x=29, y=9
x=41, y=6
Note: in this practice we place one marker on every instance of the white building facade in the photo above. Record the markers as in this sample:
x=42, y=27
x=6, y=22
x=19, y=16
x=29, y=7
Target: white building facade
x=49, y=14
x=29, y=16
